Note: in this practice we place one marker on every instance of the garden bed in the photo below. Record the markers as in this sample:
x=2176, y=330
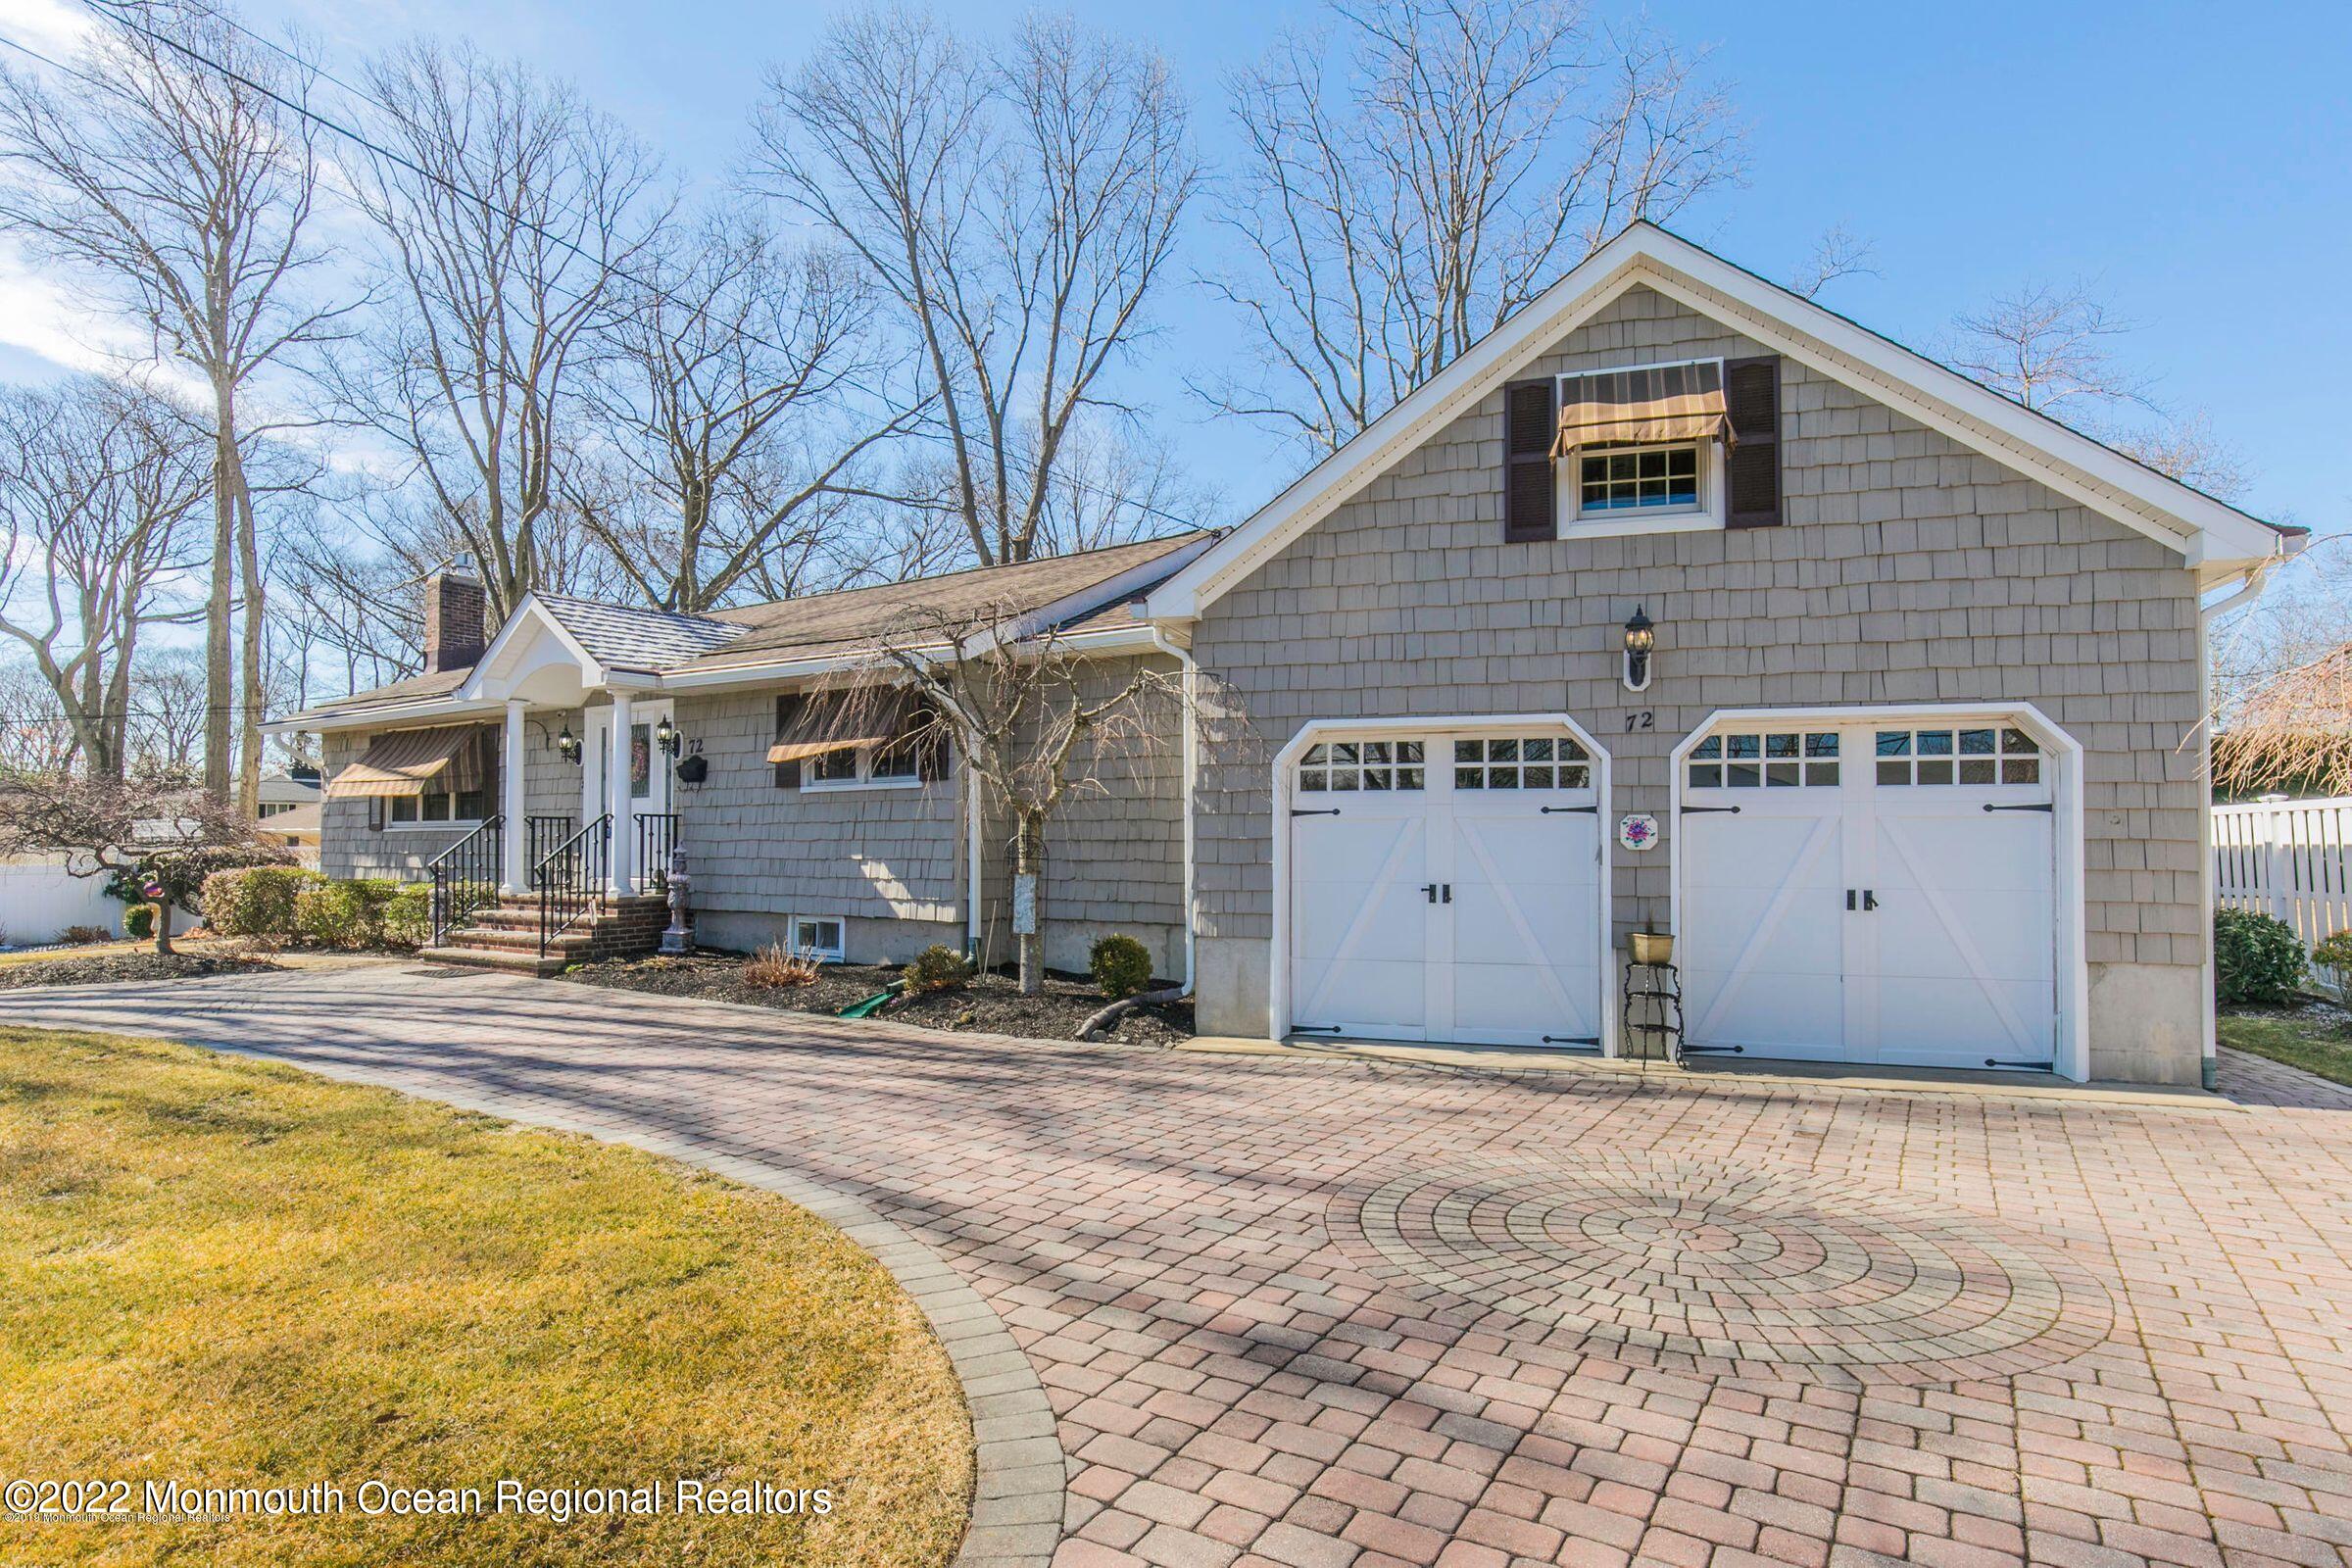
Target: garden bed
x=117, y=967
x=991, y=1003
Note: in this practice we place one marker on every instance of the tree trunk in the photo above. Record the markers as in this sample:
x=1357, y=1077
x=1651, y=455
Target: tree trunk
x=218, y=693
x=1028, y=857
x=163, y=926
x=249, y=685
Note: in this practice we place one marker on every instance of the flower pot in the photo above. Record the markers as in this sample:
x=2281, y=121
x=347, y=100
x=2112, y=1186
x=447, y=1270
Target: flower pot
x=1651, y=947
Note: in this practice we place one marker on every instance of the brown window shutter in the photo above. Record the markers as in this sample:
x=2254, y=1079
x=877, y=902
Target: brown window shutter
x=788, y=774
x=1530, y=498
x=376, y=815
x=1751, y=397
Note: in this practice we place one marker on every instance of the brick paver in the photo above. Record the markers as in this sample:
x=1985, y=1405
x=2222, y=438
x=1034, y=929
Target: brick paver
x=1353, y=1314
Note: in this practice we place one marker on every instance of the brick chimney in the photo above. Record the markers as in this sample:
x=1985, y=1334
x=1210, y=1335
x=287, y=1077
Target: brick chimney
x=455, y=607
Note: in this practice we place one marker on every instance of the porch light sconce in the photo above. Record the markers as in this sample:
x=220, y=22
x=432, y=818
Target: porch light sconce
x=568, y=745
x=665, y=737
x=1639, y=638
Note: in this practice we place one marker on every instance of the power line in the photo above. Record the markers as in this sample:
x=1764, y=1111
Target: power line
x=102, y=10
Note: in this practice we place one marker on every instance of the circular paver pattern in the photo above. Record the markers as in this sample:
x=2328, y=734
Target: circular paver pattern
x=1734, y=1270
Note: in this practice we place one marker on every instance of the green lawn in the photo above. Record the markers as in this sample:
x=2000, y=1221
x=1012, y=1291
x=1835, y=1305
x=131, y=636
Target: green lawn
x=2314, y=1039
x=226, y=1273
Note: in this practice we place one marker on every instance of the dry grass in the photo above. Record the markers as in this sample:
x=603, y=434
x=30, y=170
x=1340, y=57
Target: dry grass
x=776, y=967
x=230, y=1273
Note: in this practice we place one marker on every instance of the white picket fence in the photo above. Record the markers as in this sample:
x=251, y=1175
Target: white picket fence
x=2289, y=859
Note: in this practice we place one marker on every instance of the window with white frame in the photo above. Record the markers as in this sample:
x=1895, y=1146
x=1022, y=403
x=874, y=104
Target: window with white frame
x=817, y=936
x=899, y=763
x=437, y=809
x=1643, y=448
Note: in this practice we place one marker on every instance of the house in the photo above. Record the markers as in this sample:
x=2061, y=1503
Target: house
x=1677, y=604
x=289, y=791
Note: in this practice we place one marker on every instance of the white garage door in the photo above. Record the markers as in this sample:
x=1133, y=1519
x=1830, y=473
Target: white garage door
x=1872, y=893
x=1445, y=887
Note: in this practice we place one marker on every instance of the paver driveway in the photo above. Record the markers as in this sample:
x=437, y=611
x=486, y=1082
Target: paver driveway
x=1332, y=1313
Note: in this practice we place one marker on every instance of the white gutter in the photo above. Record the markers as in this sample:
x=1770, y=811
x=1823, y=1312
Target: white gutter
x=1192, y=780
x=971, y=858
x=2256, y=578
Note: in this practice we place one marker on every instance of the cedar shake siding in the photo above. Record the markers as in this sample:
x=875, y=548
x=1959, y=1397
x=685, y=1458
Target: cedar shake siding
x=1906, y=569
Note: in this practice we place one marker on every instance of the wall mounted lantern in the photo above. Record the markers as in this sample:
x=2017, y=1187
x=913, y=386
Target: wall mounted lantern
x=665, y=737
x=568, y=745
x=1638, y=640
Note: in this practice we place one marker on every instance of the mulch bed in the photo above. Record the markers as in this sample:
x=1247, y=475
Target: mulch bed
x=113, y=968
x=992, y=1004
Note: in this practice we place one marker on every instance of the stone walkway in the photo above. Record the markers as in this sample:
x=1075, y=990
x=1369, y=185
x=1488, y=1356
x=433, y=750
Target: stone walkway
x=1350, y=1314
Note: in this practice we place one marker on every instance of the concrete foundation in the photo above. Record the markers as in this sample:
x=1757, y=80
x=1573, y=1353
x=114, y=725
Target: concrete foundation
x=1230, y=992
x=2146, y=1023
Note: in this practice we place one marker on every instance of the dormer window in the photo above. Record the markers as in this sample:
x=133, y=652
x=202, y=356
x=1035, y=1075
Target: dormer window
x=1641, y=449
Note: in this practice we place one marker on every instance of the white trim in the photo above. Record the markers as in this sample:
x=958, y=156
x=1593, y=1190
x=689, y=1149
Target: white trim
x=476, y=685
x=836, y=953
x=1278, y=958
x=463, y=824
x=2072, y=1058
x=2205, y=530
x=843, y=786
x=1705, y=515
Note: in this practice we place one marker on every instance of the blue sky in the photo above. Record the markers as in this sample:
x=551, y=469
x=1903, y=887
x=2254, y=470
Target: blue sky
x=2201, y=173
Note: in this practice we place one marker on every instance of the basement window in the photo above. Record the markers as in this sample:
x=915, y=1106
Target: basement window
x=817, y=936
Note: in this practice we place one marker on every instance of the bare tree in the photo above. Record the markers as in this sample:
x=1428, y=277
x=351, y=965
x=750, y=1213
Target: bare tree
x=36, y=736
x=1112, y=490
x=508, y=211
x=1018, y=204
x=720, y=400
x=1036, y=720
x=98, y=481
x=164, y=730
x=2046, y=346
x=167, y=168
x=1422, y=169
x=1839, y=253
x=2049, y=349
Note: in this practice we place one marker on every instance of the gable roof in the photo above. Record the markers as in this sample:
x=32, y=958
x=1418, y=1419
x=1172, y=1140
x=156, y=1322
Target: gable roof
x=2212, y=535
x=633, y=638
x=1091, y=588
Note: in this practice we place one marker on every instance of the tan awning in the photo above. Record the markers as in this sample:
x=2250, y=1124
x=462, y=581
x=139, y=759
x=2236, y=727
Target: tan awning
x=1642, y=408
x=837, y=722
x=410, y=762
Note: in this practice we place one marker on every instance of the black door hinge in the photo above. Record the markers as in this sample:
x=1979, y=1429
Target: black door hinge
x=1315, y=811
x=1571, y=810
x=1315, y=1028
x=2024, y=1067
x=2039, y=806
x=1693, y=810
x=1573, y=1039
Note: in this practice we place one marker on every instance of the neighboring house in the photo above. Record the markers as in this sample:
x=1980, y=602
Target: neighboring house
x=286, y=792
x=294, y=827
x=1910, y=763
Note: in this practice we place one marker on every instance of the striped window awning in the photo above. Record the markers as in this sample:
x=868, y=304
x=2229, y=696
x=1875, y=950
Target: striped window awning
x=840, y=721
x=413, y=762
x=1642, y=408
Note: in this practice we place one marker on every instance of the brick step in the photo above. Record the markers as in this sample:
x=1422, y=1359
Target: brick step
x=524, y=961
x=512, y=941
x=495, y=919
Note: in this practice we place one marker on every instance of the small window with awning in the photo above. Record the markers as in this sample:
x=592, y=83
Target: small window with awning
x=864, y=736
x=414, y=763
x=1658, y=405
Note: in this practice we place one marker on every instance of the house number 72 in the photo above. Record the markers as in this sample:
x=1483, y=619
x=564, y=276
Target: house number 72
x=1642, y=718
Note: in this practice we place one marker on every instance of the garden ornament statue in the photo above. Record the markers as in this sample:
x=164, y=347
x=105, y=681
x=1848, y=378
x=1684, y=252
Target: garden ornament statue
x=678, y=939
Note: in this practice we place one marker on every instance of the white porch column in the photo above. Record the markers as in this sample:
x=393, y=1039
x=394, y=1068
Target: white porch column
x=624, y=804
x=517, y=875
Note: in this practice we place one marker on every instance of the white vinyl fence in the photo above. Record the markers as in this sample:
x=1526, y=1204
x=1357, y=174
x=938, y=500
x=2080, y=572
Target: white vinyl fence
x=2289, y=859
x=39, y=898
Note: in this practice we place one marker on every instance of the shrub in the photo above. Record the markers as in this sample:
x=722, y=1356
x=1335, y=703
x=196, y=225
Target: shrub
x=182, y=872
x=1120, y=964
x=2256, y=957
x=2336, y=953
x=408, y=916
x=938, y=967
x=344, y=915
x=776, y=966
x=78, y=935
x=256, y=901
x=138, y=921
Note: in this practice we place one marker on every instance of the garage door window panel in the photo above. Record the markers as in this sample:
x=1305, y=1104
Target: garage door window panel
x=1766, y=760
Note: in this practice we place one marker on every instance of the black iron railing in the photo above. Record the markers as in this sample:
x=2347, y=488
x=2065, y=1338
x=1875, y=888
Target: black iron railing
x=465, y=876
x=571, y=879
x=657, y=836
x=541, y=835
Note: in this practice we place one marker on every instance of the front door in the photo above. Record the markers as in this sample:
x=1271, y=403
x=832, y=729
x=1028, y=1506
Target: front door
x=1445, y=887
x=651, y=792
x=1871, y=892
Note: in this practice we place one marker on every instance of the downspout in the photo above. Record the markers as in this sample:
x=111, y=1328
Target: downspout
x=971, y=862
x=1191, y=779
x=2256, y=578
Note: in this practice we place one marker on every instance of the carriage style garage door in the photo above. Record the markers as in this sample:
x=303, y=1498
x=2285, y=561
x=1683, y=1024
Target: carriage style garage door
x=1878, y=892
x=1445, y=887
